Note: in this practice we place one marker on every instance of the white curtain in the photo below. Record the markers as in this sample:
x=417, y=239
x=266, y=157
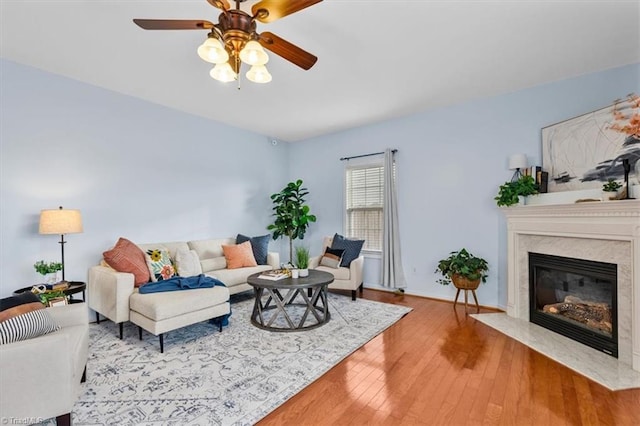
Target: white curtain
x=392, y=272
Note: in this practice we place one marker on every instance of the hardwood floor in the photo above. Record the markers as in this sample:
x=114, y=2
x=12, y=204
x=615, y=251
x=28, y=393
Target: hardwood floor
x=438, y=366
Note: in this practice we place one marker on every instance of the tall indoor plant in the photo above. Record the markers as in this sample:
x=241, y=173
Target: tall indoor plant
x=292, y=215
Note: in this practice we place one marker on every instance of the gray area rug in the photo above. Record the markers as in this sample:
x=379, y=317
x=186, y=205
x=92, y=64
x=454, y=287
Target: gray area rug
x=206, y=377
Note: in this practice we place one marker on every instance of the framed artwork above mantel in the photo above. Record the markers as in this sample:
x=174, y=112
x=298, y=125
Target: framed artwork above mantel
x=585, y=151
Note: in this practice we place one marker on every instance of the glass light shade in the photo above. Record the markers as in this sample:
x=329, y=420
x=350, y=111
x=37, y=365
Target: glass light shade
x=517, y=161
x=212, y=51
x=223, y=73
x=60, y=221
x=253, y=54
x=258, y=74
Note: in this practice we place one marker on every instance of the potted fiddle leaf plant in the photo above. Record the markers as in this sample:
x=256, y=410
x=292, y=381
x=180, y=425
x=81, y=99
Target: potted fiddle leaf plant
x=509, y=193
x=292, y=215
x=465, y=270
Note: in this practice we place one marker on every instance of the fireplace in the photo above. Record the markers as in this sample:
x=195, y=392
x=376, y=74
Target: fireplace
x=576, y=298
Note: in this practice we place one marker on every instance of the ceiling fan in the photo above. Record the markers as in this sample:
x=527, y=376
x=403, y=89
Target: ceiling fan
x=234, y=39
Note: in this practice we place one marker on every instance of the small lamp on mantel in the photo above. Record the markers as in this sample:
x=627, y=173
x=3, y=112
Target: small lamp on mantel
x=60, y=221
x=517, y=162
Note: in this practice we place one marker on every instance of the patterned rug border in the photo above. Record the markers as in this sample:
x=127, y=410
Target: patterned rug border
x=236, y=377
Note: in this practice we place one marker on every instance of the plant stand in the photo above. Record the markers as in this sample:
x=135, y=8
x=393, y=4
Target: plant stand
x=462, y=283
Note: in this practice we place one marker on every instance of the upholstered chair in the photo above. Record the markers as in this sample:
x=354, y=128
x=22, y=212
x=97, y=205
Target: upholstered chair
x=344, y=278
x=41, y=377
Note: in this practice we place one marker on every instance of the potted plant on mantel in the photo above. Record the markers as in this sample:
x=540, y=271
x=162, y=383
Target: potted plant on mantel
x=510, y=192
x=610, y=190
x=292, y=214
x=465, y=270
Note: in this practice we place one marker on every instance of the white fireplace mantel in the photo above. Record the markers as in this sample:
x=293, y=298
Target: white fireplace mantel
x=599, y=231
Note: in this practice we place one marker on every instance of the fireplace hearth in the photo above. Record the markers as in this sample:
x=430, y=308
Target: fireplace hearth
x=576, y=298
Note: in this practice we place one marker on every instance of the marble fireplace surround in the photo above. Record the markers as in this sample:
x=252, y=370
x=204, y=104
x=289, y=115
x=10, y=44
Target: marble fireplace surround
x=598, y=231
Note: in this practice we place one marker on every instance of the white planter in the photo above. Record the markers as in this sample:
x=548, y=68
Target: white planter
x=608, y=195
x=304, y=272
x=52, y=278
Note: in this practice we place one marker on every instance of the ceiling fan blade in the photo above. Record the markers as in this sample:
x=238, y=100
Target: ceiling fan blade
x=220, y=4
x=288, y=51
x=276, y=9
x=173, y=24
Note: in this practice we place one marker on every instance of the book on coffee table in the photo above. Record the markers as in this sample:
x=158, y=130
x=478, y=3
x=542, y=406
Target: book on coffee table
x=273, y=275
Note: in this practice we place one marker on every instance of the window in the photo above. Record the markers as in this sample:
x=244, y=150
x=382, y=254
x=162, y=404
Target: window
x=364, y=203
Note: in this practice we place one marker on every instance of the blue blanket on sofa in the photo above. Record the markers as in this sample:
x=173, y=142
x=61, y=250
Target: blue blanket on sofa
x=184, y=283
x=180, y=283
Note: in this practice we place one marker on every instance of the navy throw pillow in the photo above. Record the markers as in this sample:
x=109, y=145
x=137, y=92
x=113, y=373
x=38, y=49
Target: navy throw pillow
x=259, y=245
x=351, y=248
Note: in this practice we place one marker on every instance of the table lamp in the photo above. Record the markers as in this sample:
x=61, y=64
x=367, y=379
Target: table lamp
x=60, y=221
x=517, y=162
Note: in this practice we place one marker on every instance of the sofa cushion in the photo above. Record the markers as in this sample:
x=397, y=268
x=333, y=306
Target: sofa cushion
x=259, y=246
x=332, y=258
x=231, y=277
x=169, y=304
x=213, y=264
x=27, y=326
x=239, y=255
x=188, y=263
x=160, y=264
x=125, y=256
x=351, y=248
x=211, y=248
x=341, y=273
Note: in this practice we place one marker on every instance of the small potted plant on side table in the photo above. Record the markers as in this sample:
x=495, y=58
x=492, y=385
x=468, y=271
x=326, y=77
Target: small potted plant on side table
x=610, y=190
x=49, y=271
x=465, y=270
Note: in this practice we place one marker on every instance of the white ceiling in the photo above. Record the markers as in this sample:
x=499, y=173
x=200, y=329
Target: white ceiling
x=377, y=59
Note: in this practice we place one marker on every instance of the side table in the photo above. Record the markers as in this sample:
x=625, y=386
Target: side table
x=74, y=288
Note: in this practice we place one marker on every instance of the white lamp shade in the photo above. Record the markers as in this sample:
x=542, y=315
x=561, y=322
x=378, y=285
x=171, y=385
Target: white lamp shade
x=517, y=161
x=223, y=73
x=212, y=51
x=253, y=54
x=60, y=221
x=259, y=74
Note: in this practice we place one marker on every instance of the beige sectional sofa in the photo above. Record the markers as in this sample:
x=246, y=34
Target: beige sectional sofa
x=110, y=292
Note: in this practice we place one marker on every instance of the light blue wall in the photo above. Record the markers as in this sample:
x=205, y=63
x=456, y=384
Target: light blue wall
x=450, y=164
x=133, y=168
x=151, y=174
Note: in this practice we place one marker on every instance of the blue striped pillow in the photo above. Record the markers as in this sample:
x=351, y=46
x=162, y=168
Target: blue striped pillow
x=259, y=246
x=351, y=248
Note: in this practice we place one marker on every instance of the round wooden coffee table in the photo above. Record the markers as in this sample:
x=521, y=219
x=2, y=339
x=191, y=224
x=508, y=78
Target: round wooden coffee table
x=303, y=306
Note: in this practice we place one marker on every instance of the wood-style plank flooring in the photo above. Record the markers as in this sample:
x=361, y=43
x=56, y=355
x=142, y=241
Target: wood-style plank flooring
x=438, y=366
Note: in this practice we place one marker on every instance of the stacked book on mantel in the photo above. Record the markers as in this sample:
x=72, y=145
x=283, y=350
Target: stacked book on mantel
x=275, y=275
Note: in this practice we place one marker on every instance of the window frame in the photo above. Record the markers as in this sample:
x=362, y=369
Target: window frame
x=361, y=164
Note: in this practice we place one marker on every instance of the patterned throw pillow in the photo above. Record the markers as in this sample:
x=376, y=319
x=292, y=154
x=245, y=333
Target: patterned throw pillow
x=259, y=246
x=239, y=255
x=27, y=326
x=351, y=248
x=332, y=258
x=125, y=256
x=160, y=265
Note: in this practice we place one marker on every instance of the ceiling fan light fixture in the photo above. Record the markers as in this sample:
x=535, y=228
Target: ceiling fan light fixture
x=253, y=54
x=223, y=73
x=258, y=74
x=212, y=51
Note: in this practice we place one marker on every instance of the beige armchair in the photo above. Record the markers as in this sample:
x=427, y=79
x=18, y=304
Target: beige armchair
x=344, y=278
x=40, y=377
